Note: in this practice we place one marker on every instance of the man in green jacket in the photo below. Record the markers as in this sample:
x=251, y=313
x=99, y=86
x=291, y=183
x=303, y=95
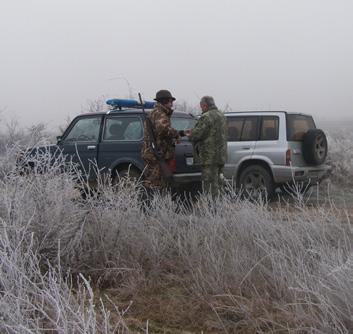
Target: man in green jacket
x=210, y=145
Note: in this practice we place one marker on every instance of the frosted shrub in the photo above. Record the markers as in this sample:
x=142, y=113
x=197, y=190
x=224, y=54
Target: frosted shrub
x=341, y=157
x=35, y=302
x=40, y=225
x=43, y=200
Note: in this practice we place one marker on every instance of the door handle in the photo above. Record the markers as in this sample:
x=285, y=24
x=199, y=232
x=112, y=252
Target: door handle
x=245, y=148
x=91, y=147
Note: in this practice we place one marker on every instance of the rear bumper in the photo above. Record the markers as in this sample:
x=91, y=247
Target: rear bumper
x=181, y=178
x=310, y=175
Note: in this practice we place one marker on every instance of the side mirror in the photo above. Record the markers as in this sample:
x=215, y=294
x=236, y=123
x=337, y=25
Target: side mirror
x=59, y=138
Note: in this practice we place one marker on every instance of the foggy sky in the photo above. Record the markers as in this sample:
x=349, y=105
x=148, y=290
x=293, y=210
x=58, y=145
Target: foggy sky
x=294, y=55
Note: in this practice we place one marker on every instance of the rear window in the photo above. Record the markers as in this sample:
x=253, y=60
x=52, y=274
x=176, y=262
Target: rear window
x=298, y=125
x=123, y=128
x=183, y=123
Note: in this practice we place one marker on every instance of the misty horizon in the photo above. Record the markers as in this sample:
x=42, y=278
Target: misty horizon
x=263, y=55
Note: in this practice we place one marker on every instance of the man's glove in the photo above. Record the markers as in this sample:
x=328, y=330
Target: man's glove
x=181, y=133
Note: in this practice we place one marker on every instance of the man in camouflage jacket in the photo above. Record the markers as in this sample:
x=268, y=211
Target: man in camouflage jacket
x=165, y=137
x=210, y=145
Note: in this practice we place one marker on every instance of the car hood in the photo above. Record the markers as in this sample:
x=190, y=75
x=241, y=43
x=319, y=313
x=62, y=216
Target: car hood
x=43, y=149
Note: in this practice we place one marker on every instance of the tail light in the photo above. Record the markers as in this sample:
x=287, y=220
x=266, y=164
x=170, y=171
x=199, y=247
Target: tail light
x=171, y=164
x=288, y=157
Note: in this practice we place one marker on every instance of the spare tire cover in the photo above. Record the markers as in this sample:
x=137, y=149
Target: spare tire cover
x=315, y=147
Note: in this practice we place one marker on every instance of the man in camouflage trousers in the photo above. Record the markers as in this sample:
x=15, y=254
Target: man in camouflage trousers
x=165, y=137
x=210, y=145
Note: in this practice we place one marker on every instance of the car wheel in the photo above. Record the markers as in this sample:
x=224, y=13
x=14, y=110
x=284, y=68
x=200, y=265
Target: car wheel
x=126, y=177
x=315, y=147
x=256, y=183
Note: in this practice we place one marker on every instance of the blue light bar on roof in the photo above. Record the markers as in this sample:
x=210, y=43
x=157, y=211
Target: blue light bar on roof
x=125, y=103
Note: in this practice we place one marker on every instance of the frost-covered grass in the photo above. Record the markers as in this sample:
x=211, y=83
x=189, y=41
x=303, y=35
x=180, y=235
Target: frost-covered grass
x=255, y=267
x=110, y=262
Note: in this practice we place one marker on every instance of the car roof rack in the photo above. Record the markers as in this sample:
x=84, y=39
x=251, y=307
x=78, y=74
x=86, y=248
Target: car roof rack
x=254, y=111
x=119, y=104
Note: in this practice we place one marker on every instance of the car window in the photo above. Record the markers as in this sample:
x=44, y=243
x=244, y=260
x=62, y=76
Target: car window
x=183, y=123
x=85, y=129
x=123, y=128
x=269, y=128
x=234, y=125
x=249, y=131
x=298, y=125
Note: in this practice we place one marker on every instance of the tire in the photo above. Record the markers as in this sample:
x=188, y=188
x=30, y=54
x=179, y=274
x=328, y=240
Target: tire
x=128, y=175
x=256, y=183
x=315, y=147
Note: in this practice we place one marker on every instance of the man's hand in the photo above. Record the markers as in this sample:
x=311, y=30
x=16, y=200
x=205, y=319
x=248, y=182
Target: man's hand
x=188, y=132
x=181, y=133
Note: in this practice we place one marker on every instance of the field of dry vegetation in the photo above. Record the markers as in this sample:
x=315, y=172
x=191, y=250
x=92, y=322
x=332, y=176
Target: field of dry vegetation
x=109, y=264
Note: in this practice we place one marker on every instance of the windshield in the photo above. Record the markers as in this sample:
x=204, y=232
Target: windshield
x=298, y=125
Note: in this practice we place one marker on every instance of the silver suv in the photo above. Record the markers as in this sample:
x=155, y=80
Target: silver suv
x=270, y=150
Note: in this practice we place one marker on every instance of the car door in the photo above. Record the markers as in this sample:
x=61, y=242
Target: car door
x=297, y=126
x=184, y=152
x=80, y=143
x=269, y=145
x=122, y=139
x=242, y=136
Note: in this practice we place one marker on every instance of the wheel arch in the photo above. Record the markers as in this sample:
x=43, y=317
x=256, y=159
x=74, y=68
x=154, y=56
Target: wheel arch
x=122, y=164
x=253, y=162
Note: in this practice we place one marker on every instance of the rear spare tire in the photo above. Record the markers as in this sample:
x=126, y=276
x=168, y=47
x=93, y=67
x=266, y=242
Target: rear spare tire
x=315, y=147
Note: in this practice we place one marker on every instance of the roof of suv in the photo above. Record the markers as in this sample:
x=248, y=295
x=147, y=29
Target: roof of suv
x=184, y=114
x=264, y=112
x=254, y=111
x=133, y=111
